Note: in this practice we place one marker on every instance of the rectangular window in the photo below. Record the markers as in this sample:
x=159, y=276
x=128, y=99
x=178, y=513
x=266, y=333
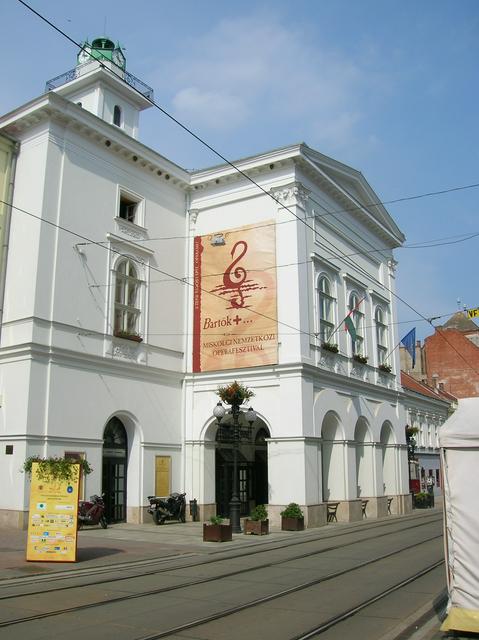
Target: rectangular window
x=128, y=208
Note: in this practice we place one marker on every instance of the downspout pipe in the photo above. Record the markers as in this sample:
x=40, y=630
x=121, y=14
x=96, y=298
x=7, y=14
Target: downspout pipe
x=6, y=232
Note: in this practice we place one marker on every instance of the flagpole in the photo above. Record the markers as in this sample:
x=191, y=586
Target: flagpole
x=344, y=319
x=391, y=352
x=399, y=343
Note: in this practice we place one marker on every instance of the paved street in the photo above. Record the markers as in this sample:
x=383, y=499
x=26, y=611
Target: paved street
x=165, y=576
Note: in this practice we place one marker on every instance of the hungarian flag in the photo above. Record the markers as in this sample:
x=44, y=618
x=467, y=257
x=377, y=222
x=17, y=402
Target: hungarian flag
x=349, y=324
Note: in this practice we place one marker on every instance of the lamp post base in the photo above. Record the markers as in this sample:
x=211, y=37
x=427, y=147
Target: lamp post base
x=235, y=515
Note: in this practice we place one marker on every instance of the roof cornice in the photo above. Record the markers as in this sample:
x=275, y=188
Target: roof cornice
x=393, y=237
x=54, y=107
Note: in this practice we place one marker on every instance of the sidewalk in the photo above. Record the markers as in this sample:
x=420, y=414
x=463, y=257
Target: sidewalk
x=122, y=543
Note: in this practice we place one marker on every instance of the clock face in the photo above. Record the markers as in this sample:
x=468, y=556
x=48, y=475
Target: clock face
x=84, y=56
x=118, y=58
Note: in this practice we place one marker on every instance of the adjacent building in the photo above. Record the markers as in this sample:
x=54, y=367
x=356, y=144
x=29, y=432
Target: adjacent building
x=427, y=410
x=449, y=359
x=134, y=288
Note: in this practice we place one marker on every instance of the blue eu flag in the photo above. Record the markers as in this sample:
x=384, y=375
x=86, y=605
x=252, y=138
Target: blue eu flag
x=409, y=341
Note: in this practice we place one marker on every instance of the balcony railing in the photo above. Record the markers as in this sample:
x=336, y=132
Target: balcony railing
x=81, y=69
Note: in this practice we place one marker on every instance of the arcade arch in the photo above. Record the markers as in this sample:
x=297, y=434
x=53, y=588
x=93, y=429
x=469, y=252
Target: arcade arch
x=332, y=457
x=364, y=459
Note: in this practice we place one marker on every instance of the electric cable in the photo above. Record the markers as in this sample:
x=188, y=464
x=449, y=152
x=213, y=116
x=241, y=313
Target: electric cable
x=235, y=167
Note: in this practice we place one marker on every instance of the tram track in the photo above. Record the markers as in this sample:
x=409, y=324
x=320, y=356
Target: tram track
x=225, y=575
x=311, y=633
x=227, y=553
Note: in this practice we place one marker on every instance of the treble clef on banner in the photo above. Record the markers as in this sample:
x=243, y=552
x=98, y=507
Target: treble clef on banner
x=239, y=274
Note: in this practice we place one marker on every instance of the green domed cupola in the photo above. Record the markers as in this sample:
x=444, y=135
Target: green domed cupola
x=102, y=49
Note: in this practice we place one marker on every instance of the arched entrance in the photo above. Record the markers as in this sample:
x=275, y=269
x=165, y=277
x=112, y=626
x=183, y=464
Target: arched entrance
x=252, y=471
x=114, y=470
x=332, y=458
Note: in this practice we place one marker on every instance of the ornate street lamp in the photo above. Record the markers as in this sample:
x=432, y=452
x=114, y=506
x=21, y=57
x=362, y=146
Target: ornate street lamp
x=411, y=451
x=234, y=395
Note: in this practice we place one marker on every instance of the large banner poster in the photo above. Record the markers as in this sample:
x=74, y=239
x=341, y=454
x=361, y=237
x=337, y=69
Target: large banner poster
x=52, y=520
x=235, y=321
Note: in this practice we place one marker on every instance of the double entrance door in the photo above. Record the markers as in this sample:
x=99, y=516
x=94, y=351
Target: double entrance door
x=224, y=482
x=114, y=488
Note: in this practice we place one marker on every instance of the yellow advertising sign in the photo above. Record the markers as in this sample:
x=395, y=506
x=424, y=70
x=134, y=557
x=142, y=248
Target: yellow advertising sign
x=235, y=321
x=473, y=313
x=53, y=518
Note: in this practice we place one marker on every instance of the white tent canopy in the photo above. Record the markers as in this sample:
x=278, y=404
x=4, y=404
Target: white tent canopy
x=459, y=441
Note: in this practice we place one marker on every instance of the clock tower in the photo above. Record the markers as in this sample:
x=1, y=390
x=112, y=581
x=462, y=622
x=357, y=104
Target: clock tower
x=102, y=49
x=100, y=84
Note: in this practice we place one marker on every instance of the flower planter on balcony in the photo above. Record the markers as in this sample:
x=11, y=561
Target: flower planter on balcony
x=128, y=336
x=328, y=346
x=384, y=368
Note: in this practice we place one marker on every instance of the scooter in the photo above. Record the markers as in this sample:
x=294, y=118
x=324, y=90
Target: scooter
x=91, y=512
x=171, y=508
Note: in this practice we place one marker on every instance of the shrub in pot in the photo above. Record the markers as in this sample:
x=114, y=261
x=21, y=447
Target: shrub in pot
x=216, y=531
x=422, y=501
x=258, y=523
x=292, y=518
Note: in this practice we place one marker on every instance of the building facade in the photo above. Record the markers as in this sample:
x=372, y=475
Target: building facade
x=427, y=410
x=449, y=359
x=103, y=346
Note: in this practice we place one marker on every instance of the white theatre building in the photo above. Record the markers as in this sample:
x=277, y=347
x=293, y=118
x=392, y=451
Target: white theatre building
x=106, y=314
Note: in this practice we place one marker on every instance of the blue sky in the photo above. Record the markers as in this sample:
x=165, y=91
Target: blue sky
x=389, y=88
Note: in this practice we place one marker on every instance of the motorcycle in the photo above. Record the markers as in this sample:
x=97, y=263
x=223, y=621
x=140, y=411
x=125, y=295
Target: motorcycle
x=91, y=512
x=167, y=508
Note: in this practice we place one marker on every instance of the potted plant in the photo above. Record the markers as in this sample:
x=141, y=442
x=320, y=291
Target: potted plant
x=422, y=500
x=54, y=468
x=385, y=368
x=257, y=524
x=330, y=346
x=216, y=531
x=292, y=518
x=411, y=431
x=360, y=358
x=234, y=393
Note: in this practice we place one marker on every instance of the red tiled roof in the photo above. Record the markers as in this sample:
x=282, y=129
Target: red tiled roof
x=412, y=384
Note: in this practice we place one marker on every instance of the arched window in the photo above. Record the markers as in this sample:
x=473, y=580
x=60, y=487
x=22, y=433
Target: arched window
x=381, y=335
x=117, y=116
x=357, y=317
x=326, y=303
x=127, y=299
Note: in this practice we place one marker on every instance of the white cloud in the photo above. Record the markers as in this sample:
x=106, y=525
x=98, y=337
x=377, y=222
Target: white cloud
x=255, y=72
x=214, y=109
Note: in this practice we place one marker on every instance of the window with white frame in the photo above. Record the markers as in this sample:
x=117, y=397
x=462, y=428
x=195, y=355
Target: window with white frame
x=127, y=299
x=129, y=208
x=381, y=335
x=117, y=116
x=326, y=307
x=357, y=317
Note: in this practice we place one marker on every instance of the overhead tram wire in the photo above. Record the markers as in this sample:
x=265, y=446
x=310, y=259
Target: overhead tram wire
x=182, y=281
x=220, y=155
x=231, y=164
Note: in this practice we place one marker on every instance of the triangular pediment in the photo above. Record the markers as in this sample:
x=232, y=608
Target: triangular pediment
x=356, y=188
